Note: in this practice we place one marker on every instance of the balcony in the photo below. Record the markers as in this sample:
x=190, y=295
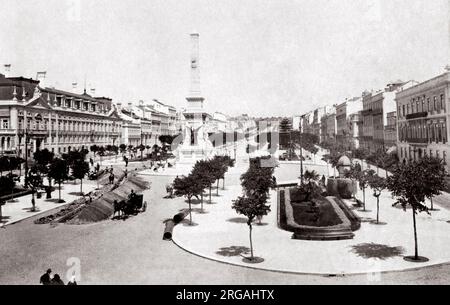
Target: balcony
x=416, y=115
x=417, y=141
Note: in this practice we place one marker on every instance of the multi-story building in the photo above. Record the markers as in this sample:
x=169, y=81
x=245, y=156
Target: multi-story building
x=54, y=119
x=147, y=121
x=390, y=131
x=331, y=126
x=323, y=128
x=422, y=120
x=354, y=125
x=318, y=114
x=307, y=122
x=383, y=102
x=131, y=127
x=366, y=113
x=347, y=120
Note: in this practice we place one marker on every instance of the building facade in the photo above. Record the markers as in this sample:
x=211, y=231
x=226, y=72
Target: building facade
x=347, y=122
x=390, y=131
x=54, y=119
x=366, y=113
x=422, y=120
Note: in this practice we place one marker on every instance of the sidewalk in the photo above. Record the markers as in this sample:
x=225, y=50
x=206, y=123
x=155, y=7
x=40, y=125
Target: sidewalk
x=21, y=209
x=222, y=235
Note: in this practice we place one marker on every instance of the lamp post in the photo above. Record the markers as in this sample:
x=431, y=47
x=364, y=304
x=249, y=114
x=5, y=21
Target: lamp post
x=301, y=151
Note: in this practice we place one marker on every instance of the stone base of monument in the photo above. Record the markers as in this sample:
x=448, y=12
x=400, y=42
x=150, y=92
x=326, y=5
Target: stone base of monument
x=192, y=154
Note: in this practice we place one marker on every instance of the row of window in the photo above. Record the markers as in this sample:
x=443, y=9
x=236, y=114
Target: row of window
x=423, y=104
x=416, y=154
x=434, y=132
x=66, y=126
x=79, y=105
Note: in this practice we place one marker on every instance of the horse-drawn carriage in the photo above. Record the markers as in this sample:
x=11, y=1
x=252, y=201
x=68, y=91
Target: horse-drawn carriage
x=132, y=206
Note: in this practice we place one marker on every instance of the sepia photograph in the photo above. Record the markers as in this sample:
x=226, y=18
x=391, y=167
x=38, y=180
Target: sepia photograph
x=199, y=144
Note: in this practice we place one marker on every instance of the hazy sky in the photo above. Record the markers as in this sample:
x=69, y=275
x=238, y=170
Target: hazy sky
x=278, y=57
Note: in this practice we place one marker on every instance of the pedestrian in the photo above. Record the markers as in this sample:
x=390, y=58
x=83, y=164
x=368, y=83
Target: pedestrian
x=45, y=278
x=56, y=280
x=72, y=282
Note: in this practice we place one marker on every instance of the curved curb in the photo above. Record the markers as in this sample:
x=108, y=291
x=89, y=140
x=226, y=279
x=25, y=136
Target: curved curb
x=322, y=274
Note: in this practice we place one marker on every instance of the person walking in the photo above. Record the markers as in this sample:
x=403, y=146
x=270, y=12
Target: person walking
x=45, y=278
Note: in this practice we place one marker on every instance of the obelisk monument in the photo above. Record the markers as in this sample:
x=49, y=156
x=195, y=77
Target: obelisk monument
x=196, y=145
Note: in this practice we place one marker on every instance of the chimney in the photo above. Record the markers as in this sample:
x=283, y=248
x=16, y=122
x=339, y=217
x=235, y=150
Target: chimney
x=130, y=106
x=119, y=106
x=93, y=91
x=41, y=77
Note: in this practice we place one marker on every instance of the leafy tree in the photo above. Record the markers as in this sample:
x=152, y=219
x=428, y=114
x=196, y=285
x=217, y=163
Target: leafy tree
x=94, y=150
x=360, y=153
x=123, y=148
x=34, y=181
x=256, y=183
x=141, y=148
x=203, y=177
x=434, y=170
x=285, y=125
x=219, y=168
x=59, y=172
x=130, y=149
x=101, y=152
x=4, y=164
x=43, y=159
x=251, y=207
x=166, y=139
x=332, y=158
x=408, y=183
x=314, y=150
x=80, y=169
x=377, y=184
x=186, y=187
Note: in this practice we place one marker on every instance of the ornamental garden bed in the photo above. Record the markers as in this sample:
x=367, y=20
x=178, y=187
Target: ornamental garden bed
x=322, y=218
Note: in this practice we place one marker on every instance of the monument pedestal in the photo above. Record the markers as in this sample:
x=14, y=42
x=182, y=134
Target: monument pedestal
x=192, y=154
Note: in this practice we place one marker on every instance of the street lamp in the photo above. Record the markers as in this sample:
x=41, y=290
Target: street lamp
x=28, y=135
x=301, y=151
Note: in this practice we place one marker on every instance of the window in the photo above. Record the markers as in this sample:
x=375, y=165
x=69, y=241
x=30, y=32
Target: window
x=444, y=157
x=438, y=155
x=438, y=127
x=407, y=109
x=5, y=124
x=442, y=102
x=404, y=112
x=417, y=105
x=428, y=104
x=435, y=103
x=444, y=133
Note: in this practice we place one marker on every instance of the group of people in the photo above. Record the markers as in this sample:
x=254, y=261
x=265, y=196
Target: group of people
x=47, y=279
x=111, y=174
